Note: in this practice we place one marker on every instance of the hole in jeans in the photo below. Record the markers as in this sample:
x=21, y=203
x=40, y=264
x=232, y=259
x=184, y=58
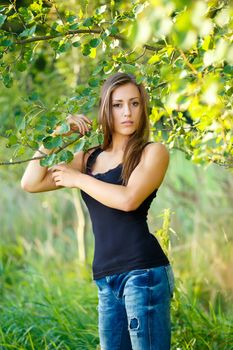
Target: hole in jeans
x=134, y=324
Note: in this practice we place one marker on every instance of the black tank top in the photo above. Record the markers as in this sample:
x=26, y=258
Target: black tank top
x=122, y=239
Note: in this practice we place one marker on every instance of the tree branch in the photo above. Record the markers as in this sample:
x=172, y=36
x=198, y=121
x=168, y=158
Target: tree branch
x=152, y=48
x=40, y=157
x=70, y=32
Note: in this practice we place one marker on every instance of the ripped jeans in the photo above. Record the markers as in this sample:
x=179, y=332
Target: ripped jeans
x=134, y=309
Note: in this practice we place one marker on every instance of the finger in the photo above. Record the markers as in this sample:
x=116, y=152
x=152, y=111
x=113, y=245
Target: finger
x=56, y=179
x=86, y=119
x=72, y=120
x=77, y=118
x=79, y=127
x=57, y=168
x=84, y=125
x=79, y=122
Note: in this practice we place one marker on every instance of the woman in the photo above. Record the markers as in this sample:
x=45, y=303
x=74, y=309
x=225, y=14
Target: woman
x=118, y=181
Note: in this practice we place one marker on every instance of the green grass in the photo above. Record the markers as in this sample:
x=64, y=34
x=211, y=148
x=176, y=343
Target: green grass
x=46, y=306
x=48, y=299
x=52, y=305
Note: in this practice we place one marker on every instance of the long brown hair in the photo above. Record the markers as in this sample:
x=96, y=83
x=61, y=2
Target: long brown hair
x=138, y=139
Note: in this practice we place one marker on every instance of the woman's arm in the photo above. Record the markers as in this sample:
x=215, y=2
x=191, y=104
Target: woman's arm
x=145, y=178
x=39, y=179
x=34, y=173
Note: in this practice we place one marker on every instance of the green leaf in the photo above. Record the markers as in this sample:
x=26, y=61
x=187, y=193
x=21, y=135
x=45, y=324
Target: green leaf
x=101, y=10
x=100, y=137
x=26, y=13
x=7, y=80
x=228, y=69
x=28, y=55
x=35, y=7
x=138, y=8
x=86, y=50
x=40, y=127
x=2, y=8
x=20, y=122
x=28, y=32
x=2, y=19
x=6, y=43
x=21, y=66
x=88, y=22
x=34, y=144
x=12, y=140
x=129, y=68
x=74, y=26
x=50, y=142
x=154, y=59
x=88, y=105
x=79, y=145
x=86, y=92
x=71, y=19
x=114, y=30
x=93, y=52
x=99, y=68
x=60, y=28
x=94, y=82
x=48, y=161
x=64, y=128
x=76, y=44
x=63, y=46
x=66, y=156
x=94, y=42
x=108, y=68
x=51, y=121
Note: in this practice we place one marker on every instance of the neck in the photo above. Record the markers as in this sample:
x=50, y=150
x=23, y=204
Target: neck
x=118, y=144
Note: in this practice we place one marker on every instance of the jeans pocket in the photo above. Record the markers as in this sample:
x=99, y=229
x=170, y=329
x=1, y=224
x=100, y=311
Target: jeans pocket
x=171, y=278
x=100, y=283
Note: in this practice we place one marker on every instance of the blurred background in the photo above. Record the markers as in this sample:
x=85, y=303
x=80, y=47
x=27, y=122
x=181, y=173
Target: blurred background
x=47, y=297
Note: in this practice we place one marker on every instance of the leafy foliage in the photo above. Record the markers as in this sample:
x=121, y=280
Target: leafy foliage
x=181, y=50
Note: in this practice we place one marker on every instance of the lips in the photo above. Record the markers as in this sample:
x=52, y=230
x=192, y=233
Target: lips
x=127, y=123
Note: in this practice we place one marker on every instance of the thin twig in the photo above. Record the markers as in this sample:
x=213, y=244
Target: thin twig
x=137, y=58
x=40, y=157
x=70, y=32
x=188, y=63
x=153, y=48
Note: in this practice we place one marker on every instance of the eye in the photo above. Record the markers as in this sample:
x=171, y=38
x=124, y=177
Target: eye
x=135, y=103
x=117, y=105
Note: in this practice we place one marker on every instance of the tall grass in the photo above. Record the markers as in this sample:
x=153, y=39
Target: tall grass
x=45, y=305
x=48, y=299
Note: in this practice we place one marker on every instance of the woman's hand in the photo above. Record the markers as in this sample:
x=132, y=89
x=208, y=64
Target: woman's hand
x=77, y=122
x=64, y=175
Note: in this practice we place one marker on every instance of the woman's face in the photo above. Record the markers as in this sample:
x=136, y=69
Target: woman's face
x=126, y=109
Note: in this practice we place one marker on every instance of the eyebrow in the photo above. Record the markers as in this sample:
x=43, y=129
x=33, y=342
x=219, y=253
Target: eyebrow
x=129, y=99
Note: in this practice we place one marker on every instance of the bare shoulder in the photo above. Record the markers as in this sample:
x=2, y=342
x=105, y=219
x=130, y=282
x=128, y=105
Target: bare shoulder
x=155, y=150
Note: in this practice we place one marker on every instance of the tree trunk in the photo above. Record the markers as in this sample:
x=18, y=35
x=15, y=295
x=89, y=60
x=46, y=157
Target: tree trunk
x=80, y=228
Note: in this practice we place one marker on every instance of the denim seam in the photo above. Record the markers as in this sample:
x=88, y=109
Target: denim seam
x=169, y=282
x=118, y=299
x=122, y=324
x=149, y=328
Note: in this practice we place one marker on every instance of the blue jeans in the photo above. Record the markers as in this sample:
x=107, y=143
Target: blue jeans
x=134, y=309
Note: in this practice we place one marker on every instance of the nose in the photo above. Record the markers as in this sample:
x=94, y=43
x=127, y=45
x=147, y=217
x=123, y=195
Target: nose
x=127, y=110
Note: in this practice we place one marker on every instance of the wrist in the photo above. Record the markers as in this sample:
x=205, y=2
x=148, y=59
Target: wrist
x=78, y=179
